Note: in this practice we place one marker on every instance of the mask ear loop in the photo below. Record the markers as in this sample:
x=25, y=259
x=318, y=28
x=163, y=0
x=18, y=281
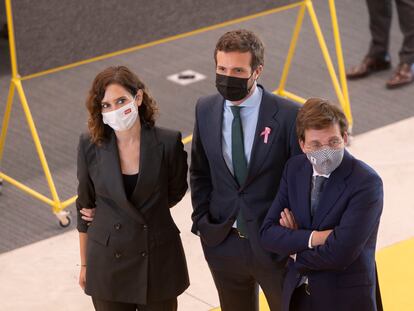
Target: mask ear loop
x=255, y=80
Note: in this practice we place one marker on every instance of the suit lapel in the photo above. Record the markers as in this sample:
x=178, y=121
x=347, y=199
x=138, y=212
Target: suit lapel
x=216, y=121
x=303, y=184
x=267, y=118
x=110, y=170
x=149, y=167
x=334, y=188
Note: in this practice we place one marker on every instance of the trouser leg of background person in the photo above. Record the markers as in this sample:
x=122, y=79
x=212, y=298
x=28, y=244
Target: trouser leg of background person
x=404, y=73
x=380, y=16
x=3, y=31
x=237, y=275
x=377, y=58
x=405, y=9
x=104, y=305
x=3, y=21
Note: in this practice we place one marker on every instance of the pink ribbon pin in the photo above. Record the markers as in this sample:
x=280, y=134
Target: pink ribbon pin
x=266, y=134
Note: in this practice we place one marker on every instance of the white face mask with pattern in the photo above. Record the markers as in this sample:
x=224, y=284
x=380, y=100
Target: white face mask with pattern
x=326, y=160
x=123, y=118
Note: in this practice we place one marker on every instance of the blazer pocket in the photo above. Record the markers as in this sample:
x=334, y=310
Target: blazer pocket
x=99, y=236
x=354, y=280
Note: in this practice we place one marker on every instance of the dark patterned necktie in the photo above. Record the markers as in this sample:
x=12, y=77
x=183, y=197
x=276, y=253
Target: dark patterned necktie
x=239, y=160
x=318, y=182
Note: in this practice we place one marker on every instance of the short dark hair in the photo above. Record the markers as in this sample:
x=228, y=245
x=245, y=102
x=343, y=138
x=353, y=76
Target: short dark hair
x=124, y=77
x=319, y=114
x=242, y=40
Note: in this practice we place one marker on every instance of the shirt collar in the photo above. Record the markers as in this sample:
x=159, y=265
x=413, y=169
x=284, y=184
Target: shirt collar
x=315, y=173
x=252, y=101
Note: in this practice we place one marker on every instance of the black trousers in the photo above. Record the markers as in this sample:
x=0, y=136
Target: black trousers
x=380, y=14
x=237, y=275
x=104, y=305
x=300, y=300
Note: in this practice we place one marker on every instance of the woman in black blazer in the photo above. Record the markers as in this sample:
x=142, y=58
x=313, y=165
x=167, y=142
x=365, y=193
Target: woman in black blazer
x=131, y=172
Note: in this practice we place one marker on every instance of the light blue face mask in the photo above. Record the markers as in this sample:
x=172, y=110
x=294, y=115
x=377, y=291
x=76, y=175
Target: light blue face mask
x=326, y=160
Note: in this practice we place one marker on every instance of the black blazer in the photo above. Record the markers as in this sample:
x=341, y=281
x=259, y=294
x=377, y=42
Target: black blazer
x=134, y=251
x=216, y=196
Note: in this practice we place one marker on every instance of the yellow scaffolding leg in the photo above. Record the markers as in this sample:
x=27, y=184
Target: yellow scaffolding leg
x=291, y=51
x=6, y=119
x=15, y=83
x=341, y=88
x=56, y=204
x=38, y=145
x=340, y=59
x=328, y=60
x=294, y=97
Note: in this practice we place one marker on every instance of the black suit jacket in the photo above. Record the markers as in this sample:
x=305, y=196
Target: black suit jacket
x=216, y=196
x=134, y=251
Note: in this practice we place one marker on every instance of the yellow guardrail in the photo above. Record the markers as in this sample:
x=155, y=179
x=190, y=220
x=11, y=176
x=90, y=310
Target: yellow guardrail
x=57, y=205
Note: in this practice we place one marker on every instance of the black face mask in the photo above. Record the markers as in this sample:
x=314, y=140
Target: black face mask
x=233, y=88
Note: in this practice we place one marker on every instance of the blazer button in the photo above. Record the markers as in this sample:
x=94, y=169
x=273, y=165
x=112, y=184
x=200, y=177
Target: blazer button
x=118, y=255
x=144, y=227
x=117, y=226
x=143, y=254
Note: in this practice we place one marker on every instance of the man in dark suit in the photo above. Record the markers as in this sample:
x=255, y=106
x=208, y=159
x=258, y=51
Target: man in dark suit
x=326, y=217
x=242, y=138
x=378, y=58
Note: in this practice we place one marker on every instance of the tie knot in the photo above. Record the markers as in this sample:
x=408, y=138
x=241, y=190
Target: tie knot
x=236, y=111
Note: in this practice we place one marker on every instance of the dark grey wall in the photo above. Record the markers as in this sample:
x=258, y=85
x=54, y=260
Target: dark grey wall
x=52, y=33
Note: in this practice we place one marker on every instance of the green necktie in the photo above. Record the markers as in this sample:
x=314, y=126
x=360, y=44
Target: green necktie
x=238, y=159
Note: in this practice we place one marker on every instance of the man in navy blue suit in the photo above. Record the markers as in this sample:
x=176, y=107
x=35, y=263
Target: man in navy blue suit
x=326, y=217
x=242, y=138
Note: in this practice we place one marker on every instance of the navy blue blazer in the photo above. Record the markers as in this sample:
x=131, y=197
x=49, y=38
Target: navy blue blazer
x=216, y=196
x=341, y=272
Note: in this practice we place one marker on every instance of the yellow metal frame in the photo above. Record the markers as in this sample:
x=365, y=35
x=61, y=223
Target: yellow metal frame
x=341, y=87
x=57, y=205
x=16, y=84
